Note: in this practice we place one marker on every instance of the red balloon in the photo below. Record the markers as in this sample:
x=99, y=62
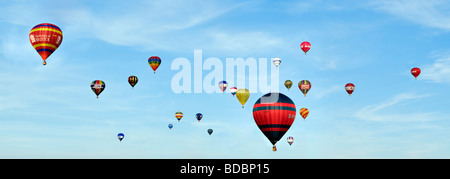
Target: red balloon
x=274, y=114
x=45, y=38
x=415, y=72
x=305, y=46
x=350, y=87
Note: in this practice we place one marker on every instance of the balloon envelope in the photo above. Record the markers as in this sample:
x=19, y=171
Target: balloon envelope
x=210, y=131
x=274, y=114
x=304, y=86
x=223, y=85
x=290, y=140
x=350, y=87
x=45, y=38
x=276, y=61
x=97, y=86
x=304, y=113
x=233, y=90
x=415, y=72
x=288, y=84
x=305, y=46
x=154, y=62
x=199, y=116
x=170, y=126
x=242, y=95
x=179, y=115
x=133, y=80
x=120, y=136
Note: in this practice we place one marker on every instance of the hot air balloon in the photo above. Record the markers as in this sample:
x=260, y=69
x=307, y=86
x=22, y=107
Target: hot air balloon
x=199, y=116
x=120, y=136
x=97, y=87
x=233, y=90
x=223, y=85
x=154, y=62
x=274, y=114
x=170, y=126
x=133, y=80
x=288, y=84
x=305, y=46
x=415, y=72
x=210, y=131
x=179, y=115
x=242, y=95
x=290, y=140
x=304, y=113
x=45, y=38
x=276, y=61
x=304, y=86
x=350, y=87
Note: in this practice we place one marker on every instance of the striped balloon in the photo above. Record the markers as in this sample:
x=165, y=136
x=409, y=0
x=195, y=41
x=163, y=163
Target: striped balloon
x=274, y=114
x=154, y=62
x=233, y=90
x=304, y=86
x=304, y=113
x=349, y=87
x=98, y=86
x=288, y=84
x=133, y=80
x=179, y=115
x=290, y=140
x=45, y=38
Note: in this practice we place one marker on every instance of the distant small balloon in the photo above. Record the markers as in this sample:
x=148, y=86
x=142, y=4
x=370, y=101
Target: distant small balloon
x=350, y=87
x=210, y=131
x=178, y=115
x=120, y=136
x=97, y=86
x=132, y=80
x=242, y=95
x=154, y=62
x=304, y=86
x=199, y=116
x=290, y=140
x=223, y=85
x=305, y=46
x=415, y=72
x=170, y=126
x=233, y=90
x=276, y=61
x=288, y=84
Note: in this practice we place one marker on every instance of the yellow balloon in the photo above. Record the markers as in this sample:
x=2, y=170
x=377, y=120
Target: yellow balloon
x=242, y=95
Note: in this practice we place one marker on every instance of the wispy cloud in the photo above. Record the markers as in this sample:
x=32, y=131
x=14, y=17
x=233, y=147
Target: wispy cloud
x=381, y=112
x=432, y=13
x=438, y=72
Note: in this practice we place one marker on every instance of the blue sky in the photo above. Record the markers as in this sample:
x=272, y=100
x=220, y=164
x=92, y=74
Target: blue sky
x=50, y=111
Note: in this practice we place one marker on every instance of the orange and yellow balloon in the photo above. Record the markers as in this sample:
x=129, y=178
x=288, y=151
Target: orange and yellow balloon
x=304, y=113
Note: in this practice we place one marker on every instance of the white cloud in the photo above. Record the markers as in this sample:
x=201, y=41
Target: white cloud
x=431, y=13
x=438, y=72
x=382, y=111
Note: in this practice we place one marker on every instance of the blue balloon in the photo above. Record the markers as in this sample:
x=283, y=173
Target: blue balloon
x=120, y=136
x=170, y=126
x=199, y=116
